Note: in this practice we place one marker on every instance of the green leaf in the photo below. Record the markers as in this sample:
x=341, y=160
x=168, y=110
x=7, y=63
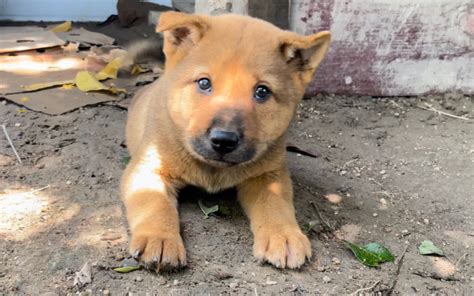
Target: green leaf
x=225, y=211
x=126, y=269
x=310, y=225
x=427, y=247
x=207, y=211
x=371, y=254
x=382, y=252
x=126, y=160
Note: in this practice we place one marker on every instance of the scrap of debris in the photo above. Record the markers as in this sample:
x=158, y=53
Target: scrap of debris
x=60, y=68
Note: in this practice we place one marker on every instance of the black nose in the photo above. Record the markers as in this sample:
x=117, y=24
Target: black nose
x=223, y=141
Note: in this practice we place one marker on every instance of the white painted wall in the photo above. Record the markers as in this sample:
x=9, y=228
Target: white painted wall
x=61, y=10
x=57, y=10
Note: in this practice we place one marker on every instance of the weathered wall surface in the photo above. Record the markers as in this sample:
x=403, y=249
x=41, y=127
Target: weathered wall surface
x=386, y=47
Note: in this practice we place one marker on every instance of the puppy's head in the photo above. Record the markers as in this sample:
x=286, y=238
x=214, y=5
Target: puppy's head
x=234, y=82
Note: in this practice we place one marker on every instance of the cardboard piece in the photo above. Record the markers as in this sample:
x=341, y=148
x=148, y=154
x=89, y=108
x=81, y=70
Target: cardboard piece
x=26, y=38
x=81, y=35
x=57, y=101
x=28, y=68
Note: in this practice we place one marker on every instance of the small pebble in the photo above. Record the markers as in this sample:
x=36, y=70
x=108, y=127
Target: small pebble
x=336, y=260
x=175, y=282
x=270, y=283
x=139, y=279
x=334, y=198
x=375, y=214
x=326, y=279
x=233, y=285
x=106, y=292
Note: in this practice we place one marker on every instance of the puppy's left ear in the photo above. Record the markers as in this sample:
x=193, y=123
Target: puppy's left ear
x=305, y=52
x=181, y=32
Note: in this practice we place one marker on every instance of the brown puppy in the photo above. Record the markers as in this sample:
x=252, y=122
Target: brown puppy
x=217, y=118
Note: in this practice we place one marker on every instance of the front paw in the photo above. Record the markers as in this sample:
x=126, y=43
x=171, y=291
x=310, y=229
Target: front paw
x=159, y=249
x=284, y=247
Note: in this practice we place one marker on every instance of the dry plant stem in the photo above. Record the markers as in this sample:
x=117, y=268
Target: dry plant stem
x=432, y=109
x=39, y=189
x=397, y=274
x=11, y=143
x=367, y=288
x=460, y=260
x=321, y=217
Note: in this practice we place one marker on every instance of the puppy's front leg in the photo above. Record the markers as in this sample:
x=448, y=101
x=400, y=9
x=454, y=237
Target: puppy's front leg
x=152, y=212
x=268, y=202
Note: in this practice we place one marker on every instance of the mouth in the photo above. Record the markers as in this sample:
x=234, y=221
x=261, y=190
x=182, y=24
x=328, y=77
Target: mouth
x=205, y=153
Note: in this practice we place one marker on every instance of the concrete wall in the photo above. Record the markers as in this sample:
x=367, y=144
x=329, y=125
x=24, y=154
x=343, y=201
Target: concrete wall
x=386, y=47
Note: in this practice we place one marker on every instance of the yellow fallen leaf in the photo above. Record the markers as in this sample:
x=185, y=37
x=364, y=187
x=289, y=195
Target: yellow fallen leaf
x=85, y=81
x=116, y=90
x=38, y=86
x=68, y=86
x=21, y=111
x=110, y=70
x=64, y=27
x=24, y=99
x=136, y=69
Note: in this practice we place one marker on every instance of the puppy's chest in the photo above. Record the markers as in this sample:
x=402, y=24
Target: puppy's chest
x=212, y=181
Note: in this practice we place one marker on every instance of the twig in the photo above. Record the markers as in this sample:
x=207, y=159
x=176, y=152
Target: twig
x=397, y=274
x=460, y=259
x=39, y=189
x=324, y=221
x=366, y=289
x=11, y=143
x=439, y=112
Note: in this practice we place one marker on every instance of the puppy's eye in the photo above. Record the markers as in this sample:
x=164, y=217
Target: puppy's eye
x=262, y=93
x=204, y=84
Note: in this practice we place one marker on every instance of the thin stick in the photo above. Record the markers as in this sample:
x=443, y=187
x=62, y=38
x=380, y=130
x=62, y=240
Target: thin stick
x=321, y=216
x=11, y=143
x=366, y=289
x=397, y=274
x=460, y=259
x=39, y=189
x=432, y=109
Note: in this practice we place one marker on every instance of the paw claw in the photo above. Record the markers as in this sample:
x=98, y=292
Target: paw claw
x=159, y=252
x=284, y=248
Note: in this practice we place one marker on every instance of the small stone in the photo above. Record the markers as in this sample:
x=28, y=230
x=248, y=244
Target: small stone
x=375, y=214
x=106, y=292
x=333, y=198
x=321, y=268
x=426, y=221
x=233, y=285
x=396, y=114
x=336, y=260
x=68, y=182
x=270, y=283
x=139, y=279
x=175, y=282
x=326, y=279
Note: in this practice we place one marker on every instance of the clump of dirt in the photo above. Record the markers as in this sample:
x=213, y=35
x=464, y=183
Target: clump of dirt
x=403, y=173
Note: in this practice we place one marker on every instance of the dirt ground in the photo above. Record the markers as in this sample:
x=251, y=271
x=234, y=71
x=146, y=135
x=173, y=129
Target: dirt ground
x=404, y=174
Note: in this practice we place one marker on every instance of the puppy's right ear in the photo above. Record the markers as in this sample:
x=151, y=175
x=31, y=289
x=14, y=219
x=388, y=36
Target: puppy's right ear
x=181, y=32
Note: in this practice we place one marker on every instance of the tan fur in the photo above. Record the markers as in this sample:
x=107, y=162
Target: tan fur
x=236, y=53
